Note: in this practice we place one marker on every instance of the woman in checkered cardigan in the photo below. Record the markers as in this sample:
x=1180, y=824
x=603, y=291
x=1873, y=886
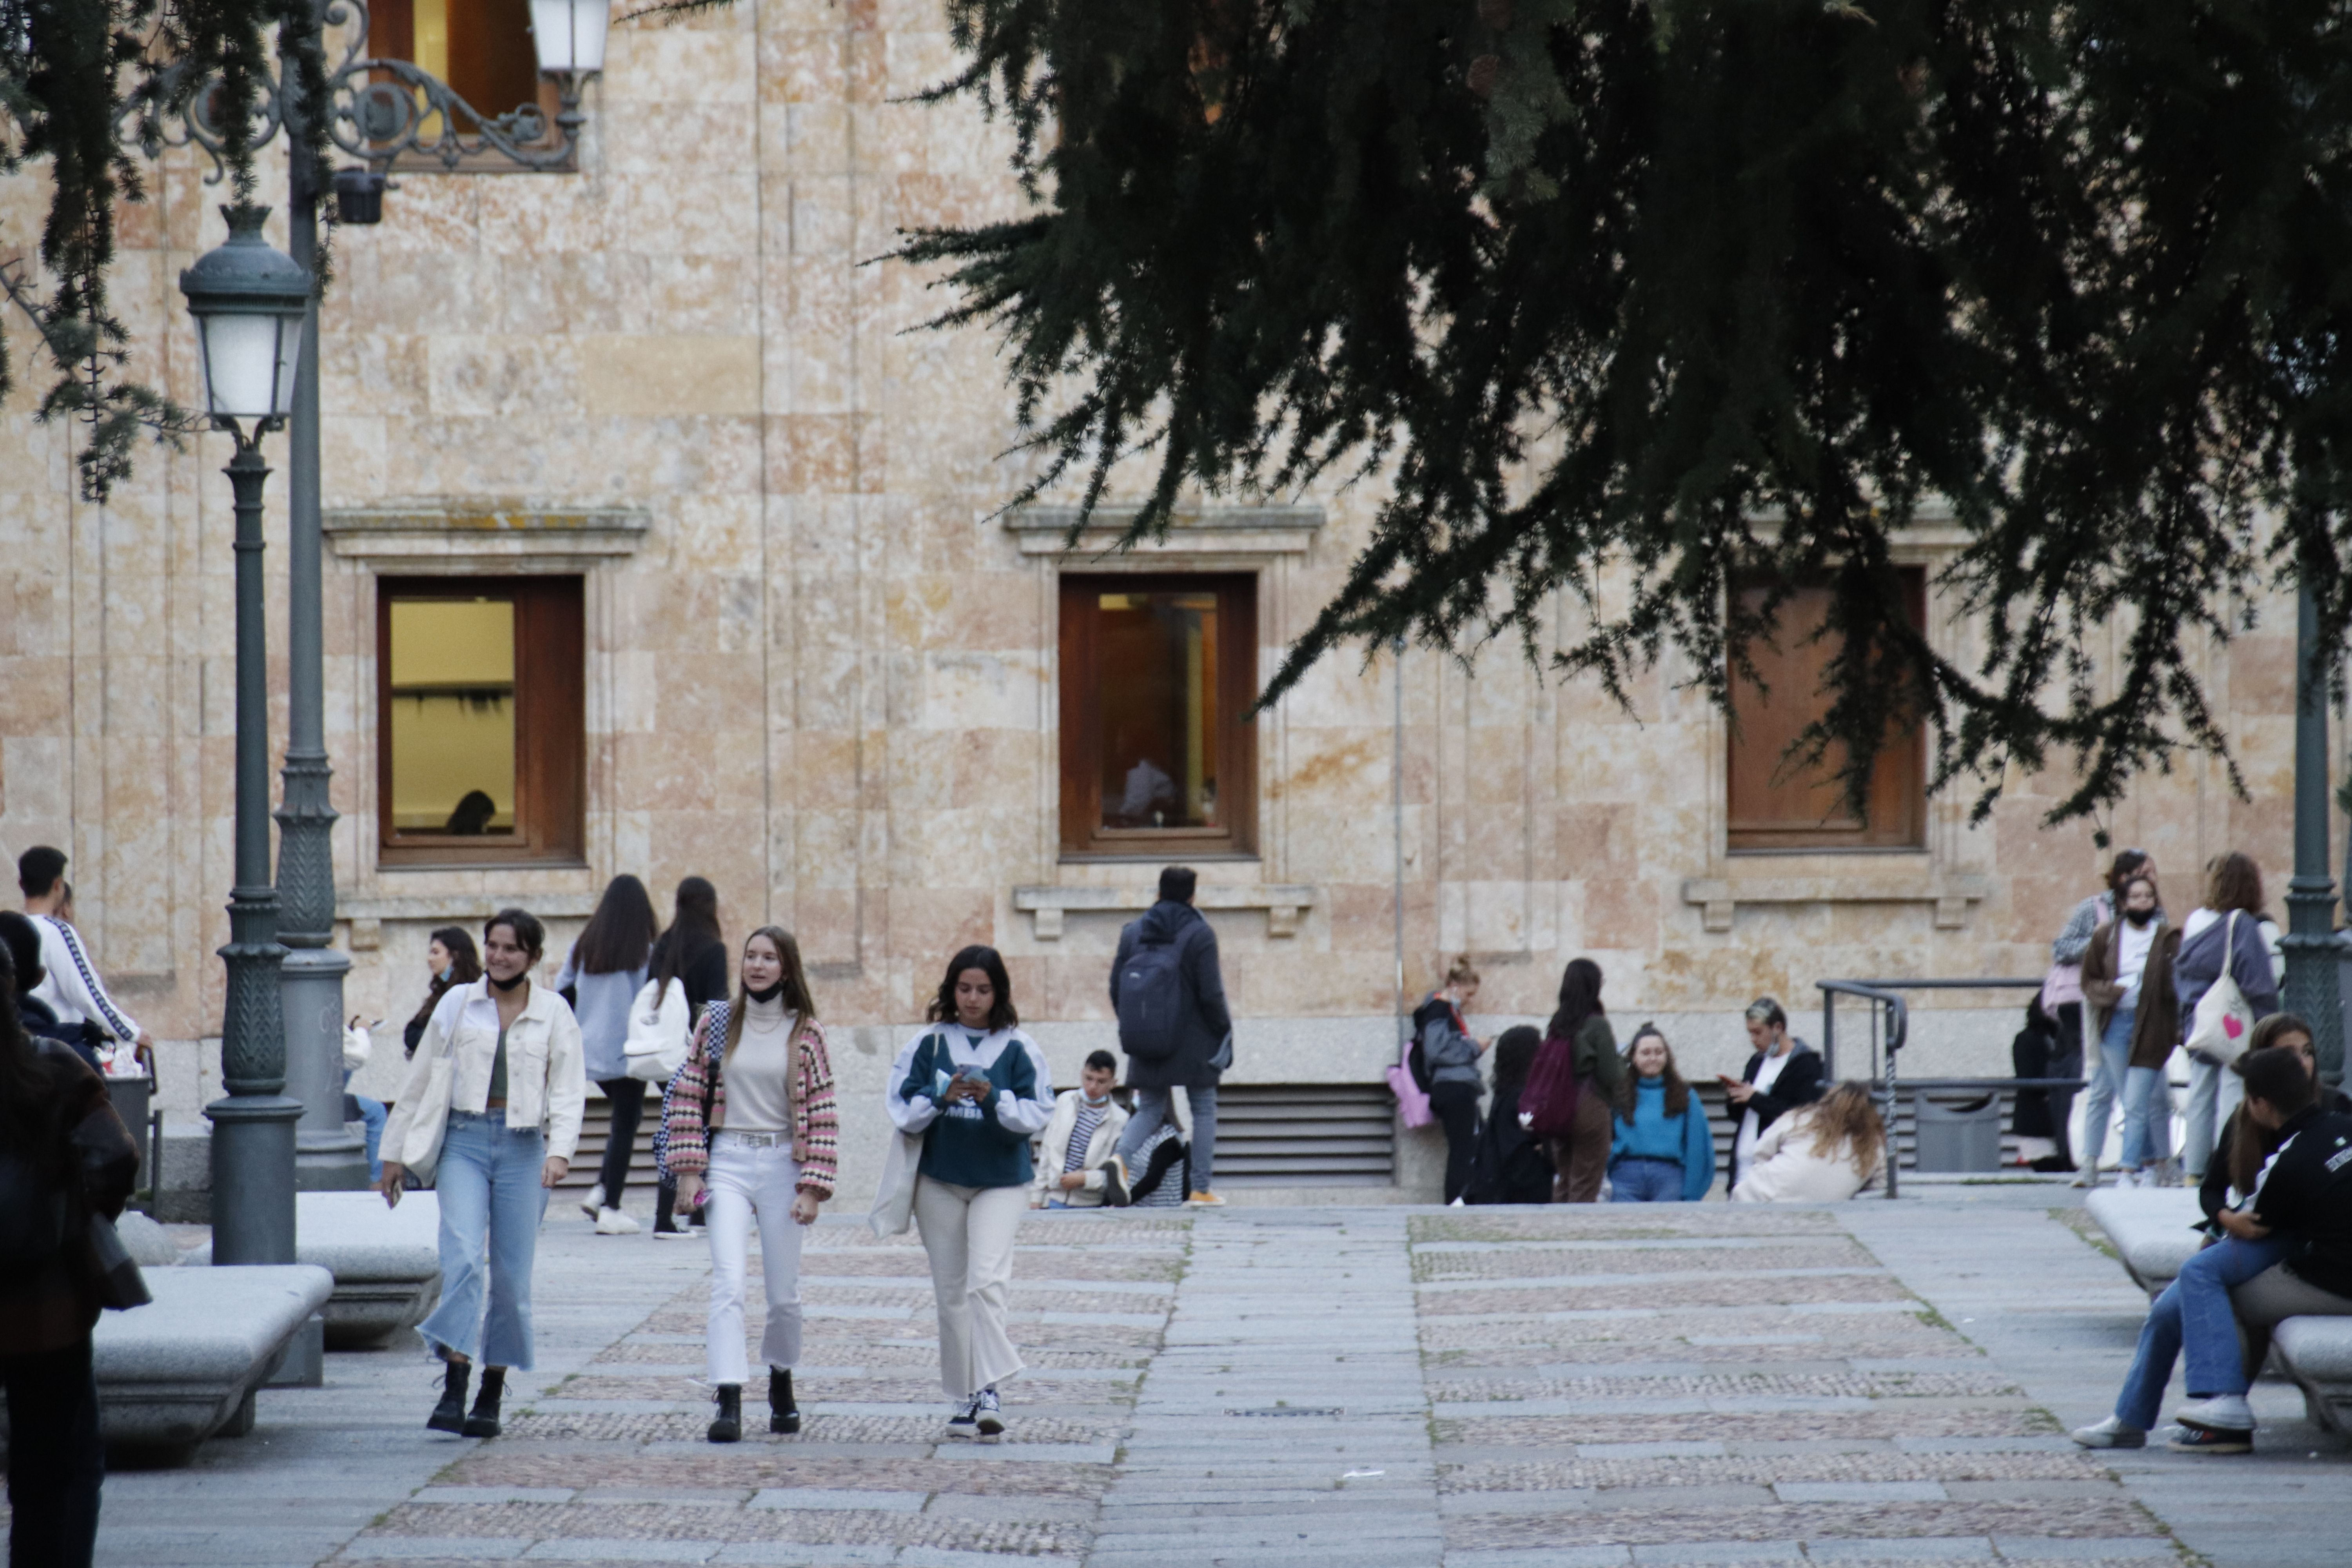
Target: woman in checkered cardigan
x=749, y=1125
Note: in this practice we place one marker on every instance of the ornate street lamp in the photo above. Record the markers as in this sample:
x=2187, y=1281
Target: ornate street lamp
x=250, y=301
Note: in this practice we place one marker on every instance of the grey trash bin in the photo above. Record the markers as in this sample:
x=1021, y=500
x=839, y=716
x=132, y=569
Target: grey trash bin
x=1958, y=1137
x=132, y=1097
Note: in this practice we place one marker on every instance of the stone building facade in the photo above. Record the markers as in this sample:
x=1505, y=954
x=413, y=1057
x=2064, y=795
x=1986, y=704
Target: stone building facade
x=817, y=665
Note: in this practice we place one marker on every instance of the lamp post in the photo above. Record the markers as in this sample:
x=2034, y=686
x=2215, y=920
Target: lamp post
x=2312, y=953
x=248, y=300
x=381, y=120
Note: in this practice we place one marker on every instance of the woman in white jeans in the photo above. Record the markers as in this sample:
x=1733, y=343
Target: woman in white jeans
x=976, y=1090
x=749, y=1125
x=494, y=1094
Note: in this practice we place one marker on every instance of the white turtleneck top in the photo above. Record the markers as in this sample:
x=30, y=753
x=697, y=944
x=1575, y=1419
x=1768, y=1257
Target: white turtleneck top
x=759, y=1075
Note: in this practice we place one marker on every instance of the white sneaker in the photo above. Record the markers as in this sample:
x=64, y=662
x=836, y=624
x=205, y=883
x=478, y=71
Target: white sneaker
x=2221, y=1412
x=613, y=1222
x=965, y=1421
x=592, y=1200
x=988, y=1416
x=2110, y=1434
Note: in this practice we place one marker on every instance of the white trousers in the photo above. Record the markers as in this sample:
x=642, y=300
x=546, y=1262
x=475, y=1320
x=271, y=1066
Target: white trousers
x=968, y=1232
x=745, y=1184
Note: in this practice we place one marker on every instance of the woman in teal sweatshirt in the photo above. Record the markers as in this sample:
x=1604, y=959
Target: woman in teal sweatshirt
x=1665, y=1150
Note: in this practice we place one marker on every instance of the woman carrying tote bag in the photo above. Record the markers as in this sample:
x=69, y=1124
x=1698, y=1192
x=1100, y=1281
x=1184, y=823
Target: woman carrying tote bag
x=974, y=1090
x=492, y=1106
x=749, y=1124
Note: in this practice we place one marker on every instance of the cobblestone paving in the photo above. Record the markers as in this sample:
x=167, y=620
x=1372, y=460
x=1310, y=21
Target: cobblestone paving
x=1536, y=1388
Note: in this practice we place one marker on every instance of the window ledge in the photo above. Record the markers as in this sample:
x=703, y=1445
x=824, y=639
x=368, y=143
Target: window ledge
x=1283, y=903
x=1206, y=531
x=465, y=535
x=1719, y=897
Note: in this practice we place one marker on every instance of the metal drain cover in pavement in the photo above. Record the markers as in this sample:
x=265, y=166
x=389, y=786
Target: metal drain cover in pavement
x=1291, y=1410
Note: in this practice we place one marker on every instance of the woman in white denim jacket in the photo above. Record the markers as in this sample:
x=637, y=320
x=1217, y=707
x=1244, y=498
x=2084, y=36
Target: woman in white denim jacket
x=495, y=1092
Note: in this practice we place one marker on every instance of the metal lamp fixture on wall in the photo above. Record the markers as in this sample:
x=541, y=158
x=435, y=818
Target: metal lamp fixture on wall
x=250, y=301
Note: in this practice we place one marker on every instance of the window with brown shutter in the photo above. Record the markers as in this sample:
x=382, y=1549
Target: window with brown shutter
x=481, y=720
x=1779, y=803
x=1157, y=674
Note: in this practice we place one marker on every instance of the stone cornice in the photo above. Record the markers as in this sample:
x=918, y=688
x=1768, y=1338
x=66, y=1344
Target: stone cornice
x=433, y=535
x=1044, y=530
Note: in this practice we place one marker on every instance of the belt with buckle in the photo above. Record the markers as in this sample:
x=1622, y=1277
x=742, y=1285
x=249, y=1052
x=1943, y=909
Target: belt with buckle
x=754, y=1139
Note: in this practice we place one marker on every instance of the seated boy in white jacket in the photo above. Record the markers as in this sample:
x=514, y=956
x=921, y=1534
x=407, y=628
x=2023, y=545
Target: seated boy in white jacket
x=1075, y=1147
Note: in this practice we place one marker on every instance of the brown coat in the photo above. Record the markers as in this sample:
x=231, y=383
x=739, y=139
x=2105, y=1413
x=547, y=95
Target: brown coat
x=2156, y=1027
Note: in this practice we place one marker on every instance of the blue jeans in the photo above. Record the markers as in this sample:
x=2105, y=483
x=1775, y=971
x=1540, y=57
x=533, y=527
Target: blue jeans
x=1154, y=1109
x=2109, y=1067
x=1637, y=1179
x=2147, y=1117
x=2194, y=1311
x=373, y=1112
x=491, y=1203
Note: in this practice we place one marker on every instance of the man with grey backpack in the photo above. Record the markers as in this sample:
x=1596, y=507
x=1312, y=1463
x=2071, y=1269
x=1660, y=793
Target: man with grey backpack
x=1174, y=1027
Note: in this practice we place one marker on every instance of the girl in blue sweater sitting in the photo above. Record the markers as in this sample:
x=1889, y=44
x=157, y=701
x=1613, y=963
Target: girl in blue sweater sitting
x=1665, y=1150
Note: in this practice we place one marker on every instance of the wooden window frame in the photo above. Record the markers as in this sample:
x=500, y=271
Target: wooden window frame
x=550, y=725
x=1083, y=835
x=392, y=36
x=1896, y=813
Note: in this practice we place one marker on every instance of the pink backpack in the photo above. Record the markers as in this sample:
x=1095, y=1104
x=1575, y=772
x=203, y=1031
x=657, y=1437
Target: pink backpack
x=1412, y=1103
x=1549, y=1100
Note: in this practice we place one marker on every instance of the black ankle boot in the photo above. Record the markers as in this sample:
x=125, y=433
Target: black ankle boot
x=449, y=1416
x=484, y=1421
x=783, y=1415
x=727, y=1426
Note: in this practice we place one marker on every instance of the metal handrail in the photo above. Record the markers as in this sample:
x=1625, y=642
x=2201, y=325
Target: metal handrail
x=1886, y=994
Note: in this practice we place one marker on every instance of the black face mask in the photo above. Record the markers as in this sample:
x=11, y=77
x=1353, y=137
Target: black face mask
x=507, y=985
x=770, y=995
x=2139, y=917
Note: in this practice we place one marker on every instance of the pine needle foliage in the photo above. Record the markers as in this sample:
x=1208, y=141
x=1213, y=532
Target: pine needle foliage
x=85, y=86
x=1682, y=295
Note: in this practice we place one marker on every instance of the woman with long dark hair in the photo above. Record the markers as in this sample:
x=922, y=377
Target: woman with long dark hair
x=64, y=1157
x=1665, y=1150
x=1511, y=1166
x=692, y=955
x=601, y=977
x=976, y=1090
x=750, y=1119
x=1580, y=1025
x=493, y=1100
x=451, y=961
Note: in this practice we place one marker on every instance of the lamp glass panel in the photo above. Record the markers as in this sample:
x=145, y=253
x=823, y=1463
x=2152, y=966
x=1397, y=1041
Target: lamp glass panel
x=453, y=716
x=290, y=356
x=570, y=34
x=242, y=363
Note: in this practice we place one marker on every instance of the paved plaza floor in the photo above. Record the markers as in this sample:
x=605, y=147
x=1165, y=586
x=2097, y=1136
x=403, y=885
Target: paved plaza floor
x=1874, y=1383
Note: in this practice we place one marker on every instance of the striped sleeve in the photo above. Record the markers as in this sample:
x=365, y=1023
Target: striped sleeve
x=85, y=991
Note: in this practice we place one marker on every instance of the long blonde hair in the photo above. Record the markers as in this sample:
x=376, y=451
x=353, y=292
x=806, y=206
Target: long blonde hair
x=796, y=997
x=1846, y=1116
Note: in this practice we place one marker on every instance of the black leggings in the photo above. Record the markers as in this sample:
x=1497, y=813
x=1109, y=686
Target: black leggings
x=629, y=1098
x=56, y=1460
x=1457, y=1107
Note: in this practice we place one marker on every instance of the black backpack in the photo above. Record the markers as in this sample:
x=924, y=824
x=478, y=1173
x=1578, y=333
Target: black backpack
x=1416, y=1060
x=1151, y=1002
x=1507, y=1166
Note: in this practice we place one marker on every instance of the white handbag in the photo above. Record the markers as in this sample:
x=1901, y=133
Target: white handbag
x=2218, y=1031
x=428, y=1123
x=894, y=1196
x=658, y=1032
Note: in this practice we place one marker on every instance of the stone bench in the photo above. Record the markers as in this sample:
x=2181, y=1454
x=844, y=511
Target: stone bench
x=2317, y=1353
x=386, y=1262
x=185, y=1366
x=2151, y=1226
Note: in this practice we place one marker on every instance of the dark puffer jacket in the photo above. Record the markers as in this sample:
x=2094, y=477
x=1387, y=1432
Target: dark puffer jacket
x=1207, y=1021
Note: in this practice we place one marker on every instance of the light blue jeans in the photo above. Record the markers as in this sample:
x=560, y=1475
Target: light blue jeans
x=491, y=1203
x=1638, y=1179
x=374, y=1114
x=2214, y=1091
x=2193, y=1313
x=2109, y=1062
x=1154, y=1106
